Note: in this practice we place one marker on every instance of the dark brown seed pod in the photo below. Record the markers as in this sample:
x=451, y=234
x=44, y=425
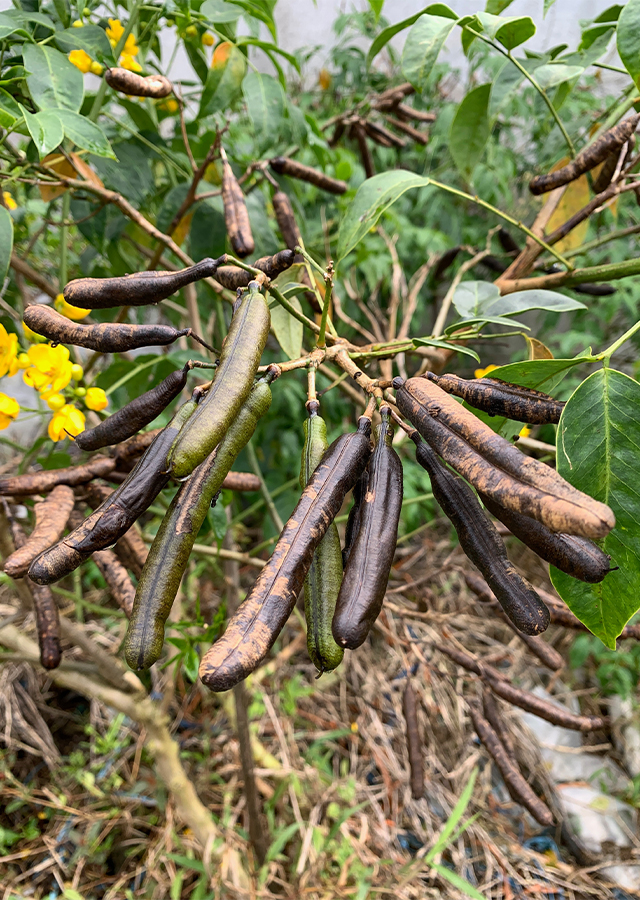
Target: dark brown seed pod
x=497, y=468
x=241, y=481
x=508, y=244
x=366, y=572
x=135, y=415
x=45, y=481
x=236, y=215
x=606, y=173
x=414, y=744
x=105, y=337
x=447, y=259
x=517, y=785
x=588, y=158
x=595, y=290
x=393, y=95
x=500, y=398
x=130, y=549
x=353, y=522
x=233, y=277
x=338, y=131
x=127, y=453
x=117, y=514
x=409, y=113
x=51, y=515
x=138, y=289
x=383, y=136
x=134, y=85
x=358, y=132
x=286, y=220
x=483, y=545
x=497, y=722
x=253, y=629
x=576, y=556
x=285, y=166
x=418, y=136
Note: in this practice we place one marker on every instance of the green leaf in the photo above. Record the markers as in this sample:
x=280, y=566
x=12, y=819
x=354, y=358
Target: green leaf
x=628, y=39
x=85, y=134
x=510, y=31
x=386, y=34
x=477, y=298
x=287, y=330
x=376, y=7
x=9, y=25
x=493, y=320
x=372, y=198
x=547, y=6
x=598, y=451
x=10, y=112
x=6, y=242
x=424, y=42
x=218, y=12
x=445, y=345
x=46, y=130
x=470, y=130
x=54, y=81
x=208, y=234
x=471, y=297
x=90, y=38
x=269, y=49
x=457, y=881
x=223, y=86
x=264, y=97
x=556, y=73
x=452, y=822
x=495, y=7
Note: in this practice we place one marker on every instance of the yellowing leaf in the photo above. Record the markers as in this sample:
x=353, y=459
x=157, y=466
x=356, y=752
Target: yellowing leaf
x=62, y=166
x=537, y=350
x=182, y=229
x=575, y=196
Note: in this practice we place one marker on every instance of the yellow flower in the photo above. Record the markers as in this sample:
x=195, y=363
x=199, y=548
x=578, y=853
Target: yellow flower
x=170, y=105
x=128, y=62
x=81, y=60
x=114, y=31
x=96, y=68
x=480, y=373
x=96, y=399
x=77, y=24
x=66, y=309
x=50, y=368
x=8, y=352
x=9, y=409
x=23, y=361
x=130, y=46
x=77, y=372
x=524, y=432
x=9, y=202
x=208, y=39
x=67, y=421
x=56, y=402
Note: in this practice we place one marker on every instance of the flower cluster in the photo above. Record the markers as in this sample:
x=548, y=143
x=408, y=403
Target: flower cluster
x=81, y=59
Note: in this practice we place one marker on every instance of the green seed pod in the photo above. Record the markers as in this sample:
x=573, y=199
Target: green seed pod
x=366, y=572
x=239, y=361
x=322, y=584
x=255, y=626
x=169, y=553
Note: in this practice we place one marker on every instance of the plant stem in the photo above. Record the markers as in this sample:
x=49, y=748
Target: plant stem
x=259, y=503
x=282, y=300
x=605, y=272
x=264, y=490
x=64, y=237
x=328, y=285
x=608, y=353
x=605, y=239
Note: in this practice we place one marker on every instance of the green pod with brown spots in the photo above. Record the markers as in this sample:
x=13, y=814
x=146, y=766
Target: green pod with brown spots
x=482, y=544
x=239, y=361
x=367, y=569
x=116, y=515
x=172, y=545
x=322, y=584
x=255, y=626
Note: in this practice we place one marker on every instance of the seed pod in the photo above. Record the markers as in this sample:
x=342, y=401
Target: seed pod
x=172, y=545
x=594, y=290
x=106, y=337
x=286, y=220
x=447, y=259
x=138, y=289
x=135, y=415
x=45, y=481
x=588, y=158
x=500, y=398
x=483, y=545
x=119, y=511
x=233, y=277
x=414, y=744
x=126, y=454
x=117, y=578
x=418, y=136
x=409, y=112
x=322, y=584
x=494, y=718
x=241, y=481
x=497, y=468
x=51, y=515
x=383, y=136
x=130, y=549
x=253, y=629
x=517, y=785
x=508, y=244
x=285, y=166
x=134, y=85
x=355, y=513
x=393, y=95
x=239, y=361
x=606, y=173
x=338, y=131
x=366, y=572
x=357, y=131
x=576, y=556
x=236, y=215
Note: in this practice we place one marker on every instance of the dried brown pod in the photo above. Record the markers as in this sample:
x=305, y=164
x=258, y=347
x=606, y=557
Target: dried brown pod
x=285, y=166
x=603, y=179
x=127, y=452
x=495, y=719
x=130, y=549
x=241, y=481
x=358, y=132
x=393, y=95
x=383, y=136
x=51, y=516
x=134, y=85
x=518, y=787
x=508, y=244
x=236, y=215
x=409, y=113
x=138, y=289
x=106, y=337
x=588, y=158
x=414, y=744
x=594, y=290
x=501, y=398
x=447, y=259
x=45, y=481
x=497, y=468
x=418, y=136
x=286, y=220
x=233, y=277
x=338, y=131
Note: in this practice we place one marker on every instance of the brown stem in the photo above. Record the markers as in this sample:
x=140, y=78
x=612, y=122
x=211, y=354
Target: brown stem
x=34, y=277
